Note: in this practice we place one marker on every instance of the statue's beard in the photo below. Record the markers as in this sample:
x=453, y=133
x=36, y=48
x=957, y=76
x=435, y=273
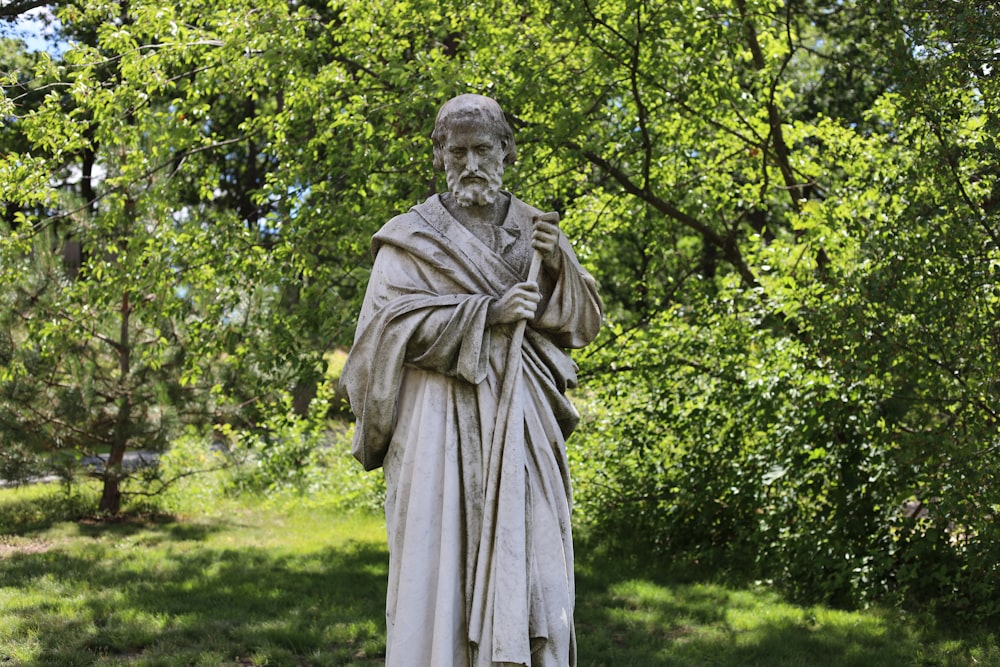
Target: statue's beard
x=479, y=189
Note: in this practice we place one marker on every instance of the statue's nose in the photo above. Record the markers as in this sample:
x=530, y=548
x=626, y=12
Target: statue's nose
x=472, y=162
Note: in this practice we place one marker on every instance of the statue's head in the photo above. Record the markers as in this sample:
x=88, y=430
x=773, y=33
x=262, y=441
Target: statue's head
x=473, y=143
x=472, y=109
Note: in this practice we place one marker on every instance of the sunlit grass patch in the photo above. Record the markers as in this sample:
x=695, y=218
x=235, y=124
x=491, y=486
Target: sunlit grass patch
x=244, y=581
x=631, y=616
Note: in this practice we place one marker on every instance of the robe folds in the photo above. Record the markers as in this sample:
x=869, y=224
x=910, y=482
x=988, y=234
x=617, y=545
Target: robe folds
x=478, y=494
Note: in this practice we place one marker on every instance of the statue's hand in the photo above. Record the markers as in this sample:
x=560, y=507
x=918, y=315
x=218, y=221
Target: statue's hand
x=545, y=239
x=519, y=303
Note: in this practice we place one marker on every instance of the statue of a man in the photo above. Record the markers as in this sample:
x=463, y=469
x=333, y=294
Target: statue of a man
x=457, y=378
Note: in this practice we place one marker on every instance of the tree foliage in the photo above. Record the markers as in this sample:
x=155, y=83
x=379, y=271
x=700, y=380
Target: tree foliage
x=791, y=208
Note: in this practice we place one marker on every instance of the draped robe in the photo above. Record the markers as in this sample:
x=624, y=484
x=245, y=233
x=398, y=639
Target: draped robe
x=480, y=547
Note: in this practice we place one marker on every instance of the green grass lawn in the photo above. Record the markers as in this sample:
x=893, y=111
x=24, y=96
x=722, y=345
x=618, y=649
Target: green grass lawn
x=245, y=582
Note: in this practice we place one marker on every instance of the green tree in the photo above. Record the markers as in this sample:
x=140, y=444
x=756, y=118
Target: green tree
x=795, y=211
x=148, y=330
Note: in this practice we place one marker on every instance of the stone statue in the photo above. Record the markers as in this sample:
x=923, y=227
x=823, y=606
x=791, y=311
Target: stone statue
x=457, y=378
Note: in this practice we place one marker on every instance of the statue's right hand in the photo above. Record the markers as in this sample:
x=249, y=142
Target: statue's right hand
x=519, y=303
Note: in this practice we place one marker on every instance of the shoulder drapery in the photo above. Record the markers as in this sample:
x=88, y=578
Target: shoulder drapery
x=375, y=364
x=437, y=280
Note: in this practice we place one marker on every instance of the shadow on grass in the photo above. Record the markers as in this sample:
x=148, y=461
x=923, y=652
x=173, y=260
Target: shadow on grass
x=199, y=606
x=633, y=615
x=160, y=594
x=30, y=509
x=33, y=515
x=156, y=528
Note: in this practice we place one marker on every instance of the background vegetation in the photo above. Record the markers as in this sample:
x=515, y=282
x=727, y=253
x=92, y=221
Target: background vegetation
x=791, y=207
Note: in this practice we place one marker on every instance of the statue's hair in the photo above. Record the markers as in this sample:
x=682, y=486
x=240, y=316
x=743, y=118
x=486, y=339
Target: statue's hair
x=477, y=108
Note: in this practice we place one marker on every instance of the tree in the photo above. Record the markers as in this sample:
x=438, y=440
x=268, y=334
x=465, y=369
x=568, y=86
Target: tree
x=112, y=356
x=799, y=351
x=221, y=194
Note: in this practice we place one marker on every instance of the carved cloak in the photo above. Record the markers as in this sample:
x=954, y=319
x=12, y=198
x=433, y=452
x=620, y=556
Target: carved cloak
x=481, y=556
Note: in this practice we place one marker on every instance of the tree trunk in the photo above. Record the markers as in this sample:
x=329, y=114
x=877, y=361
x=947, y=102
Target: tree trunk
x=303, y=394
x=111, y=497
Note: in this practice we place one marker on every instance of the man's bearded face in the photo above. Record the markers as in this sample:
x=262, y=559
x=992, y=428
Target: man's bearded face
x=473, y=164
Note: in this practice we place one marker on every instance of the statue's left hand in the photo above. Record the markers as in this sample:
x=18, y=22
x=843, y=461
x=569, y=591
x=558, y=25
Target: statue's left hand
x=545, y=239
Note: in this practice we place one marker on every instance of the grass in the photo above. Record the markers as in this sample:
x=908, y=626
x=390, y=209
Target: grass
x=247, y=582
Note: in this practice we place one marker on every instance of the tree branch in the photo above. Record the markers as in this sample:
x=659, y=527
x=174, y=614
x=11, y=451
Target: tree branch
x=164, y=485
x=144, y=176
x=774, y=118
x=725, y=243
x=15, y=8
x=643, y=119
x=955, y=170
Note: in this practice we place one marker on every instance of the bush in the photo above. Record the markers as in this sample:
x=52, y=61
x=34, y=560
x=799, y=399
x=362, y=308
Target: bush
x=716, y=441
x=306, y=457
